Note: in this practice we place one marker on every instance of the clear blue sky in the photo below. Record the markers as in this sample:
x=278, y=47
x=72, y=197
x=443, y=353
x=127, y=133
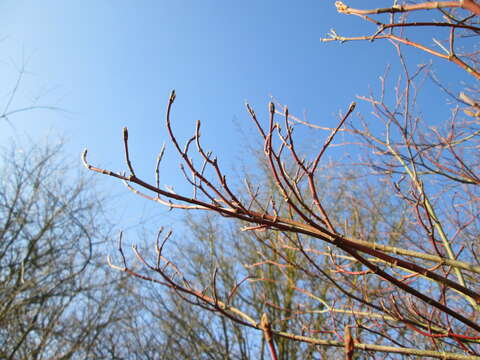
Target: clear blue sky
x=113, y=63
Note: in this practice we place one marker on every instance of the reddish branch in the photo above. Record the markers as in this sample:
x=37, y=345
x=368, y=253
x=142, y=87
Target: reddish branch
x=267, y=332
x=349, y=343
x=465, y=4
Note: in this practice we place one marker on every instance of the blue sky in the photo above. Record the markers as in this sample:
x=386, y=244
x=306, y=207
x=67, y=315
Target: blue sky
x=111, y=64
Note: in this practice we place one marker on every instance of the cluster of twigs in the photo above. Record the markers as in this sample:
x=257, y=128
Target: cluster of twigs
x=428, y=291
x=315, y=223
x=450, y=20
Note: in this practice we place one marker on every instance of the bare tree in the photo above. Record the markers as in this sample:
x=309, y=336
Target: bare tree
x=401, y=265
x=56, y=301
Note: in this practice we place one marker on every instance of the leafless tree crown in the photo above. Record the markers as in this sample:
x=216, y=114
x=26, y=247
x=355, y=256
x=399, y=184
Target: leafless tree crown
x=385, y=263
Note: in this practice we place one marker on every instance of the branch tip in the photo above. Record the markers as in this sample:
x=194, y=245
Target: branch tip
x=341, y=7
x=84, y=158
x=271, y=107
x=172, y=96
